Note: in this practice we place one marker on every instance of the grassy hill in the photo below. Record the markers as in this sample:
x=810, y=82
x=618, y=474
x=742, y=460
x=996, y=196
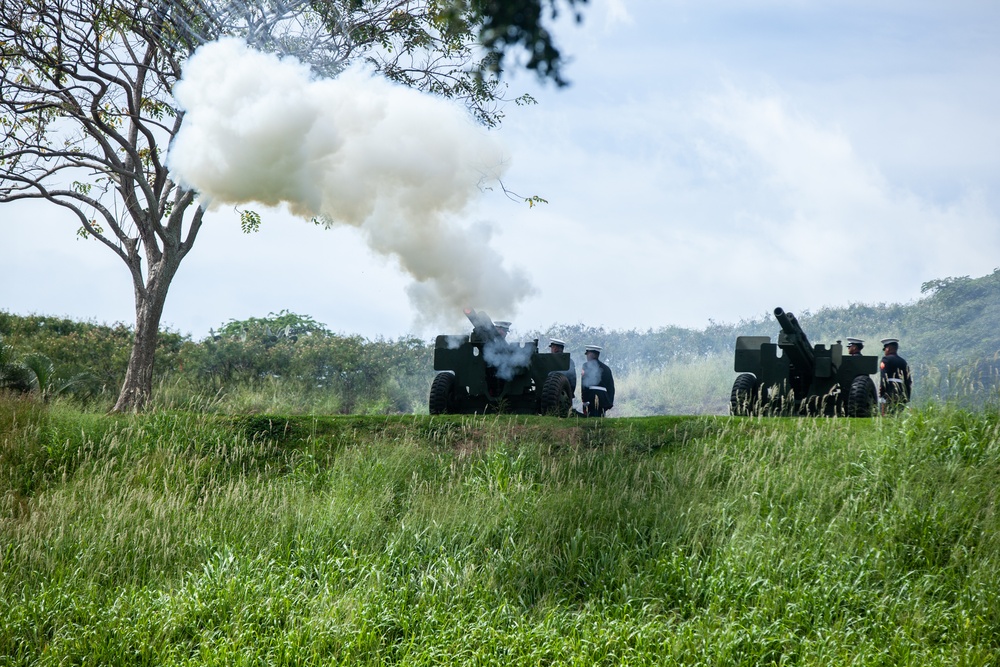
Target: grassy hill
x=176, y=538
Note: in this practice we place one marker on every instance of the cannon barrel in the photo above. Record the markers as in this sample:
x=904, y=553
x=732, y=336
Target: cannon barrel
x=788, y=323
x=795, y=342
x=482, y=326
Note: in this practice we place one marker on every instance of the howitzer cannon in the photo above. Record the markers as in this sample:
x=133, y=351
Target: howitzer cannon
x=802, y=379
x=482, y=372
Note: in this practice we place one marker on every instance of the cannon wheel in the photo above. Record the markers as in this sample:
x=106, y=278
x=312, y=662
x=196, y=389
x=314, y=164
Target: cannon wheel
x=442, y=398
x=861, y=400
x=557, y=399
x=745, y=397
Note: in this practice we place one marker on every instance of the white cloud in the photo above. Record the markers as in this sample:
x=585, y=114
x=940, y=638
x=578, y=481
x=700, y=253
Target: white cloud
x=676, y=210
x=840, y=207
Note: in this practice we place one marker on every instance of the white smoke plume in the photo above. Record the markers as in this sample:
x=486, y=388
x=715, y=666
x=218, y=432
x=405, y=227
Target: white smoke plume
x=399, y=165
x=509, y=359
x=591, y=375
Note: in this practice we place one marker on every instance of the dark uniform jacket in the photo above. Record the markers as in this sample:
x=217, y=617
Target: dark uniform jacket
x=571, y=374
x=597, y=382
x=895, y=382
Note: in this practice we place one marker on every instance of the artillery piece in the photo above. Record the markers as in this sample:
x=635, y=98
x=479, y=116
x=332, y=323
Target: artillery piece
x=803, y=379
x=482, y=372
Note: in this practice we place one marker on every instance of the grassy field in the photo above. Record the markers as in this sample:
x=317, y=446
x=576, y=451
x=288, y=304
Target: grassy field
x=174, y=538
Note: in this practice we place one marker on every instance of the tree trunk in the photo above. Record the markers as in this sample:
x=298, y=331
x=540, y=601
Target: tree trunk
x=149, y=300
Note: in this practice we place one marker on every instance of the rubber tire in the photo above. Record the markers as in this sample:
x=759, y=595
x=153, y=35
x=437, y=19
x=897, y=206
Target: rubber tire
x=744, y=400
x=862, y=399
x=442, y=398
x=557, y=398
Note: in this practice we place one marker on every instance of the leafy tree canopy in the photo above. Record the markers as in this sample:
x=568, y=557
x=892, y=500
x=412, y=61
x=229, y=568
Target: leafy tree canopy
x=504, y=25
x=285, y=324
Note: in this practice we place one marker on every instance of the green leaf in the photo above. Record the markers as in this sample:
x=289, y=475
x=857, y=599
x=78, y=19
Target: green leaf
x=249, y=221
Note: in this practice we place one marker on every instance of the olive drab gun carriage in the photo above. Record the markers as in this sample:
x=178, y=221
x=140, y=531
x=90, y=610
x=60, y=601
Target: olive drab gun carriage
x=482, y=372
x=794, y=377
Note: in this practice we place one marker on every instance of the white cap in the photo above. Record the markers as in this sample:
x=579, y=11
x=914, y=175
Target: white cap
x=854, y=341
x=557, y=341
x=501, y=324
x=890, y=341
x=593, y=348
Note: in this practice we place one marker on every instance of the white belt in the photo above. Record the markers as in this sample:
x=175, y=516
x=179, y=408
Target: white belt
x=895, y=380
x=596, y=388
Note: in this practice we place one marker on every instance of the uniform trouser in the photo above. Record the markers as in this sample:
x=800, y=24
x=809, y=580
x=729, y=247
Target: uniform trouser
x=594, y=402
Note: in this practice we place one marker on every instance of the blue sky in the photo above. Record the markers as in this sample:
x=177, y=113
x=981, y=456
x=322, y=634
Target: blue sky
x=711, y=160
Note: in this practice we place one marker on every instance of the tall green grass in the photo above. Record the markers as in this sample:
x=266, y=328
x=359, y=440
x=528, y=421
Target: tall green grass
x=692, y=388
x=176, y=538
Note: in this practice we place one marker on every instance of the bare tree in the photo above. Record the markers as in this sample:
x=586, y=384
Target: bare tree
x=86, y=110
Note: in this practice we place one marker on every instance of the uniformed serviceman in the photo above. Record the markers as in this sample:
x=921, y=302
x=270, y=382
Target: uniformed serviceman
x=502, y=328
x=854, y=346
x=597, y=384
x=895, y=382
x=557, y=346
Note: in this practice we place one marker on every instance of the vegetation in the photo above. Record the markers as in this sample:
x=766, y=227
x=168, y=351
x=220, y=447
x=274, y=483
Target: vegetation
x=289, y=363
x=507, y=24
x=175, y=538
x=34, y=372
x=280, y=363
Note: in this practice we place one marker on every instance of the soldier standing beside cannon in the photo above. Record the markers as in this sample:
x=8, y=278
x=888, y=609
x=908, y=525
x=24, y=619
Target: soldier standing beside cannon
x=895, y=381
x=597, y=384
x=558, y=346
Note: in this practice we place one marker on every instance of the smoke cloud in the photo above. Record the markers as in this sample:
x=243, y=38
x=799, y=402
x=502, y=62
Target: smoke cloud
x=399, y=165
x=509, y=359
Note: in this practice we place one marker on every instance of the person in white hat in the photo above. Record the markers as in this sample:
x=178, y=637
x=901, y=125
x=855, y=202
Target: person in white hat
x=597, y=384
x=895, y=381
x=557, y=346
x=854, y=346
x=502, y=328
